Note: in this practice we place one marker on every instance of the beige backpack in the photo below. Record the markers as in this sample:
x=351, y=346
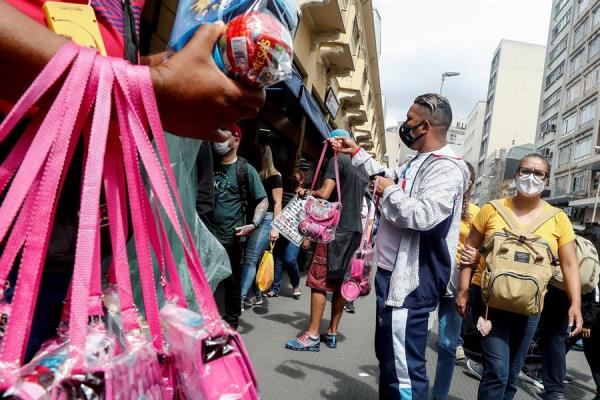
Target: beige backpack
x=589, y=267
x=519, y=265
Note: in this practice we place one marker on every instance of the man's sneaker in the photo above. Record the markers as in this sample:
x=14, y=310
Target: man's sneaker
x=257, y=301
x=247, y=304
x=271, y=293
x=460, y=353
x=330, y=339
x=475, y=369
x=304, y=342
x=532, y=376
x=297, y=293
x=349, y=307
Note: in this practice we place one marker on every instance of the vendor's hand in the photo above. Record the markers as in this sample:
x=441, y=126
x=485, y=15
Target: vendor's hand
x=469, y=256
x=274, y=235
x=462, y=303
x=246, y=230
x=194, y=97
x=575, y=320
x=344, y=145
x=381, y=184
x=586, y=333
x=303, y=193
x=306, y=244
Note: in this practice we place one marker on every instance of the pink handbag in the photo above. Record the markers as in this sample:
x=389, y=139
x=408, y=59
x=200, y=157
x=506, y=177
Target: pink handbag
x=357, y=281
x=322, y=216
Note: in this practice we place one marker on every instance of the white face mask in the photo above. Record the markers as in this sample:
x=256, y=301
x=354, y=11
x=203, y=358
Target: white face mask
x=221, y=148
x=530, y=186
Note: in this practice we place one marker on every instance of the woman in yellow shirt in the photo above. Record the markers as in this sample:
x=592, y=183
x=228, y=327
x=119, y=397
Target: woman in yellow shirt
x=506, y=345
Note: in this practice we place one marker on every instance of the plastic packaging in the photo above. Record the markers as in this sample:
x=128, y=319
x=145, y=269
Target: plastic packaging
x=257, y=47
x=322, y=218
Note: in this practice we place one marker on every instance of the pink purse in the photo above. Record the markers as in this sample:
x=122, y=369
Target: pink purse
x=322, y=216
x=357, y=281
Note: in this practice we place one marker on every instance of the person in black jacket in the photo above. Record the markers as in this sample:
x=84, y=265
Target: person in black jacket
x=590, y=305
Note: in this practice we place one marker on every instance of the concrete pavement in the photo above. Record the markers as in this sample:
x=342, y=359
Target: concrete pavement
x=350, y=371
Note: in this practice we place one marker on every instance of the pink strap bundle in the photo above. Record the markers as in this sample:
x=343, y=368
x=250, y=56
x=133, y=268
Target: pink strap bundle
x=111, y=106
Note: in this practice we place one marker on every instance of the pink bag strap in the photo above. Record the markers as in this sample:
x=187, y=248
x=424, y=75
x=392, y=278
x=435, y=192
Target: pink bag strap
x=59, y=123
x=367, y=237
x=336, y=167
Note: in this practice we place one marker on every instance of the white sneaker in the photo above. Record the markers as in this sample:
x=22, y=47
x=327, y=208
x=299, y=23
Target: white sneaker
x=460, y=353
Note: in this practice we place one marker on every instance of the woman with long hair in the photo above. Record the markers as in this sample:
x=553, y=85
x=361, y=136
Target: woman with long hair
x=259, y=241
x=450, y=321
x=506, y=335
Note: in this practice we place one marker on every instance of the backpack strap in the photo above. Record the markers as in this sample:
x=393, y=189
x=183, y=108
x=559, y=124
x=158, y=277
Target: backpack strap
x=542, y=218
x=507, y=214
x=241, y=173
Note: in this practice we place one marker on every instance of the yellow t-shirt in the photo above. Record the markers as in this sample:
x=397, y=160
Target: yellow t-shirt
x=465, y=228
x=557, y=231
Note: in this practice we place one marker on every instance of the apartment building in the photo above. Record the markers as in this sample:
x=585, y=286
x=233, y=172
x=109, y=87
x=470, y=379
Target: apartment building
x=335, y=82
x=473, y=133
x=392, y=145
x=567, y=130
x=456, y=137
x=513, y=99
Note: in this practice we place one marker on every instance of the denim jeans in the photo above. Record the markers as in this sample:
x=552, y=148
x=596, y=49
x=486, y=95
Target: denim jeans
x=255, y=247
x=286, y=258
x=504, y=349
x=449, y=327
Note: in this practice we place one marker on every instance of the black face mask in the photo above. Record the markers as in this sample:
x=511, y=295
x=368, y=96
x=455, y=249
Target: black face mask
x=405, y=134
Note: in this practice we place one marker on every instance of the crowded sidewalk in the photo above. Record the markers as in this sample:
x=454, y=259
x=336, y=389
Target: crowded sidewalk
x=350, y=371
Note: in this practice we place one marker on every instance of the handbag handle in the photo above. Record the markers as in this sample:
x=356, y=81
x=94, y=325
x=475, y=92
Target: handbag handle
x=336, y=167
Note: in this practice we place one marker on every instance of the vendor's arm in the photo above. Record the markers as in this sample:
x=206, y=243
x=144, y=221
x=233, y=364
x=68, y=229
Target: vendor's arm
x=366, y=166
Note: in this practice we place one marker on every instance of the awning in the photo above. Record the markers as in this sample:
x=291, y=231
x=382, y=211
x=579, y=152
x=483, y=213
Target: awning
x=307, y=102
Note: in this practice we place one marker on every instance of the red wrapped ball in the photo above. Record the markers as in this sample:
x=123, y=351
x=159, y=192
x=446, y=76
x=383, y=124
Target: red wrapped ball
x=257, y=49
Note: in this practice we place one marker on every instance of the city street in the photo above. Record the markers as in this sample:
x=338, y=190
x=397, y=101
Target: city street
x=350, y=371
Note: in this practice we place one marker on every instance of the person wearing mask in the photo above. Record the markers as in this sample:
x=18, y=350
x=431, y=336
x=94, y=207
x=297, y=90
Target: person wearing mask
x=450, y=321
x=259, y=241
x=420, y=207
x=185, y=83
x=331, y=260
x=237, y=184
x=286, y=252
x=506, y=345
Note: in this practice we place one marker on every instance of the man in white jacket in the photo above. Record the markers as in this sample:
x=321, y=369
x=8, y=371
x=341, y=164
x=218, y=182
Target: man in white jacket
x=420, y=215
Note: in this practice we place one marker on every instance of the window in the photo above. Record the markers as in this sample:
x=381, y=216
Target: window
x=574, y=92
x=555, y=74
x=583, y=148
x=579, y=182
x=558, y=50
x=559, y=6
x=594, y=47
x=569, y=124
x=588, y=113
x=591, y=80
x=580, y=32
x=564, y=155
x=548, y=126
x=596, y=16
x=576, y=62
x=560, y=25
x=355, y=34
x=365, y=81
x=560, y=185
x=550, y=101
x=583, y=4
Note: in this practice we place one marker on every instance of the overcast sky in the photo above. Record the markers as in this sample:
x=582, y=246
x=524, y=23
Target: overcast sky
x=423, y=38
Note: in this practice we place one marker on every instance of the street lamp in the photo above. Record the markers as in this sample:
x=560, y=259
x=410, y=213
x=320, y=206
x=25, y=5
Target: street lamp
x=447, y=75
x=596, y=149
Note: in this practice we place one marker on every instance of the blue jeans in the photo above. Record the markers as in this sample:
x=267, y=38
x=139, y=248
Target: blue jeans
x=286, y=258
x=504, y=349
x=255, y=247
x=449, y=327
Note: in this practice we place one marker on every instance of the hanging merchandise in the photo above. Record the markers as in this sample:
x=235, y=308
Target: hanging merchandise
x=357, y=281
x=104, y=348
x=257, y=47
x=322, y=216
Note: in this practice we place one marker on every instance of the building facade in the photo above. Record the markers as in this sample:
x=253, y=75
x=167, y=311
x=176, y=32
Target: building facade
x=473, y=134
x=512, y=103
x=392, y=144
x=456, y=137
x=567, y=131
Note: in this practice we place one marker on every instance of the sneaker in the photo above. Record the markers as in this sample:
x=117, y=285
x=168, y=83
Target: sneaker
x=297, y=293
x=257, y=301
x=349, y=307
x=532, y=376
x=330, y=339
x=475, y=369
x=460, y=353
x=271, y=293
x=247, y=304
x=304, y=342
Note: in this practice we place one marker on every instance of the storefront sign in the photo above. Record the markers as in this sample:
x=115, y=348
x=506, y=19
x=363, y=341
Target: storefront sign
x=332, y=103
x=288, y=220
